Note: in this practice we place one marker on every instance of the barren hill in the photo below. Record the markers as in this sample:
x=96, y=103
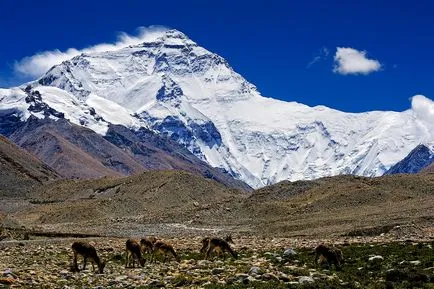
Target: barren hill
x=343, y=204
x=151, y=197
x=162, y=201
x=20, y=171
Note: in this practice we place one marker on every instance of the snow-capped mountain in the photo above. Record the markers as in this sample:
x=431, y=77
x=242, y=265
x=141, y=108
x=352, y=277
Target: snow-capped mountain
x=179, y=89
x=419, y=158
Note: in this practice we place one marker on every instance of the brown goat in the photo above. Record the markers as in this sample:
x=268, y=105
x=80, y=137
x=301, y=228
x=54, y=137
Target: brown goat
x=331, y=255
x=165, y=249
x=133, y=250
x=87, y=251
x=213, y=244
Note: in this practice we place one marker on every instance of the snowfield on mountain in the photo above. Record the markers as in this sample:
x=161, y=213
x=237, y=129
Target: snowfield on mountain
x=175, y=87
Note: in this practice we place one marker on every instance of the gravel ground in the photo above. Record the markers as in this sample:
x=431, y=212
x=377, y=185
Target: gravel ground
x=46, y=263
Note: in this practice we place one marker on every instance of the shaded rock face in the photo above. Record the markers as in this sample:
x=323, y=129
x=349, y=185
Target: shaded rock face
x=157, y=152
x=419, y=158
x=176, y=129
x=38, y=106
x=429, y=169
x=9, y=123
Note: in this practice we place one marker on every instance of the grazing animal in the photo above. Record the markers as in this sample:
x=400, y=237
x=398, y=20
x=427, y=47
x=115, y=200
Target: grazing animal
x=133, y=250
x=213, y=244
x=87, y=251
x=165, y=249
x=331, y=255
x=147, y=244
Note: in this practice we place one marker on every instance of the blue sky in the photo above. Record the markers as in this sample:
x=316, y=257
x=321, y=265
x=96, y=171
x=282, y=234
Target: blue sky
x=285, y=48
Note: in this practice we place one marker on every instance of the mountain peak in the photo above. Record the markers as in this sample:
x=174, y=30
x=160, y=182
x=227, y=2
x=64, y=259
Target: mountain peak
x=171, y=38
x=419, y=158
x=173, y=33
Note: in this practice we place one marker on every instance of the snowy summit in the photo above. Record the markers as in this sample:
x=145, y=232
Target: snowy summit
x=179, y=89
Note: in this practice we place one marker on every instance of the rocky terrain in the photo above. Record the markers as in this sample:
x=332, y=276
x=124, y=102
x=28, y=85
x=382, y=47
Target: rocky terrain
x=261, y=263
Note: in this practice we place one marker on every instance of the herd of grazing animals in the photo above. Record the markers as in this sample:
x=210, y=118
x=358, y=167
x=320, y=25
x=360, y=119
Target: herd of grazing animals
x=135, y=250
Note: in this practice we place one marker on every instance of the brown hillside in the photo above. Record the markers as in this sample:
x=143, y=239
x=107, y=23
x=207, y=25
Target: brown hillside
x=150, y=197
x=73, y=151
x=343, y=204
x=21, y=172
x=158, y=200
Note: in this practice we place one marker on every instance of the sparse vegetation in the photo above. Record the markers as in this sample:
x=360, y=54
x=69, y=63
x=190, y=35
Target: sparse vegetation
x=372, y=266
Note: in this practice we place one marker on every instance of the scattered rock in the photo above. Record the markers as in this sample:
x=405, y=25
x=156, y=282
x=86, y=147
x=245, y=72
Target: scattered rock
x=9, y=274
x=269, y=277
x=289, y=253
x=305, y=279
x=283, y=277
x=204, y=263
x=255, y=271
x=216, y=271
x=156, y=283
x=375, y=258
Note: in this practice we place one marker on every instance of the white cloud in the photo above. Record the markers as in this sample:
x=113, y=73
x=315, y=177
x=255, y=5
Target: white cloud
x=323, y=53
x=36, y=65
x=352, y=61
x=424, y=109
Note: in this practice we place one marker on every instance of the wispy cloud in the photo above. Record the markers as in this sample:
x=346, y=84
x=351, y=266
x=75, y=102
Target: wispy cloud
x=424, y=109
x=322, y=54
x=36, y=65
x=352, y=61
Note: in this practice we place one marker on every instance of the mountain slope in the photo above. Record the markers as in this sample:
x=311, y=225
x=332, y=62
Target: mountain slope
x=419, y=158
x=181, y=90
x=429, y=169
x=20, y=171
x=168, y=202
x=156, y=152
x=78, y=152
x=343, y=204
x=73, y=151
x=117, y=205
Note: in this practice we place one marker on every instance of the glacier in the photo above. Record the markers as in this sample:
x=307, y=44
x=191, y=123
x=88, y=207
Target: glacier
x=173, y=86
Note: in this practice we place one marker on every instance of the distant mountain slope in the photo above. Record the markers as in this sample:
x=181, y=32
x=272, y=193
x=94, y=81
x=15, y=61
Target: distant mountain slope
x=153, y=196
x=170, y=200
x=21, y=172
x=419, y=158
x=73, y=151
x=158, y=152
x=78, y=152
x=349, y=204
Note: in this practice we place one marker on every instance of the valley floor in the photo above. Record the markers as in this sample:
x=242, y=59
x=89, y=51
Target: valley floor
x=375, y=262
